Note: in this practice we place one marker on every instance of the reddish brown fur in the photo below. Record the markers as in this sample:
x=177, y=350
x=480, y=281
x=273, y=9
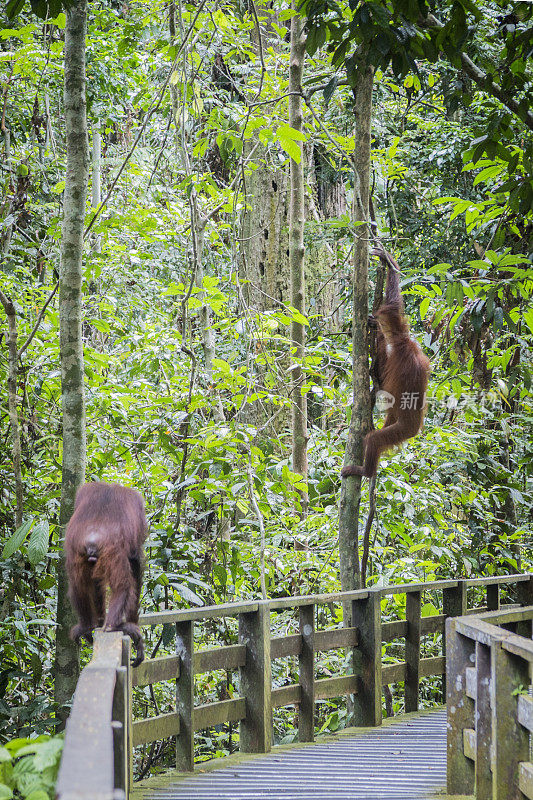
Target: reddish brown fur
x=403, y=372
x=104, y=548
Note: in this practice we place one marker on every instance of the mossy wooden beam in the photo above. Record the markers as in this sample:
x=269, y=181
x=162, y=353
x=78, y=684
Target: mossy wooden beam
x=510, y=740
x=185, y=696
x=256, y=680
x=460, y=654
x=306, y=666
x=412, y=649
x=366, y=616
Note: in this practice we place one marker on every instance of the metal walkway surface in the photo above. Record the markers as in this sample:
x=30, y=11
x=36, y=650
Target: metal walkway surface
x=403, y=760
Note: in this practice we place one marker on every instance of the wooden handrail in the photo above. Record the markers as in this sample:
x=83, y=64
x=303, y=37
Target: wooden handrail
x=96, y=759
x=283, y=603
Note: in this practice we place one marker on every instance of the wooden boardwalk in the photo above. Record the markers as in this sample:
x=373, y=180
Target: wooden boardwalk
x=403, y=760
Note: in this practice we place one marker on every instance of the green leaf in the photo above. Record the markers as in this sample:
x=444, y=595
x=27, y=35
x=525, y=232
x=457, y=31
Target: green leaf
x=40, y=8
x=330, y=88
x=221, y=574
x=286, y=131
x=38, y=544
x=5, y=792
x=18, y=538
x=297, y=316
x=4, y=755
x=37, y=794
x=291, y=148
x=528, y=318
x=14, y=7
x=60, y=21
x=188, y=594
x=424, y=305
x=169, y=633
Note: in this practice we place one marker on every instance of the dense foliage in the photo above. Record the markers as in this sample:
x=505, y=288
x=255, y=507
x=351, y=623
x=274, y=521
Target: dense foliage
x=184, y=136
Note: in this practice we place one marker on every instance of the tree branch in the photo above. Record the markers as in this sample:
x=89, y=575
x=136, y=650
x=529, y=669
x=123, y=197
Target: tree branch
x=483, y=80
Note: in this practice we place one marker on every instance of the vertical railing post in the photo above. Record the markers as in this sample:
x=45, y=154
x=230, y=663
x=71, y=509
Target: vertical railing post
x=126, y=660
x=185, y=697
x=366, y=617
x=493, y=596
x=121, y=721
x=412, y=649
x=306, y=716
x=459, y=655
x=454, y=604
x=510, y=741
x=524, y=591
x=256, y=680
x=454, y=600
x=483, y=723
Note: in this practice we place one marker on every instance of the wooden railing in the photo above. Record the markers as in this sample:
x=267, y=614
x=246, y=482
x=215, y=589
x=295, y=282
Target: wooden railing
x=97, y=755
x=100, y=736
x=255, y=651
x=490, y=707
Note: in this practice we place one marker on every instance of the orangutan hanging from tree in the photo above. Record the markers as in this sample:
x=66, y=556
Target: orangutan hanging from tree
x=402, y=371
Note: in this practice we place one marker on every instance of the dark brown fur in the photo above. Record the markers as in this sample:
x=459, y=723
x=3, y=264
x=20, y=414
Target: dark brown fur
x=402, y=371
x=104, y=548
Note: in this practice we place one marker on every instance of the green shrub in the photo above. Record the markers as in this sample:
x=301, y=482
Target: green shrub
x=28, y=768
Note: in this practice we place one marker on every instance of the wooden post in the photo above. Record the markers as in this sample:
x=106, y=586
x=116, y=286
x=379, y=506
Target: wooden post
x=412, y=649
x=126, y=661
x=120, y=732
x=510, y=741
x=524, y=591
x=256, y=680
x=454, y=600
x=483, y=723
x=185, y=697
x=454, y=603
x=366, y=616
x=460, y=655
x=493, y=596
x=306, y=716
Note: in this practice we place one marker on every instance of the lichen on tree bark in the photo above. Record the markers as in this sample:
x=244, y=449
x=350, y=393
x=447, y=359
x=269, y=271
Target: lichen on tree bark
x=296, y=257
x=70, y=318
x=360, y=421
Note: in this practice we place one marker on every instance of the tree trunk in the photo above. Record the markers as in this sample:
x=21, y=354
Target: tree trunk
x=296, y=258
x=9, y=308
x=70, y=334
x=96, y=198
x=360, y=422
x=265, y=241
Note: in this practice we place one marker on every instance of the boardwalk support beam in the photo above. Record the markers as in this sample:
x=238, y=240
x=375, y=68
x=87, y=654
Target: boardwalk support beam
x=185, y=697
x=256, y=680
x=509, y=676
x=306, y=717
x=459, y=656
x=366, y=616
x=412, y=649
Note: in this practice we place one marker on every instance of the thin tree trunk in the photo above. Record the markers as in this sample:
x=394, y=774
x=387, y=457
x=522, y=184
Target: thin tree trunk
x=360, y=422
x=96, y=177
x=70, y=334
x=6, y=239
x=296, y=256
x=14, y=424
